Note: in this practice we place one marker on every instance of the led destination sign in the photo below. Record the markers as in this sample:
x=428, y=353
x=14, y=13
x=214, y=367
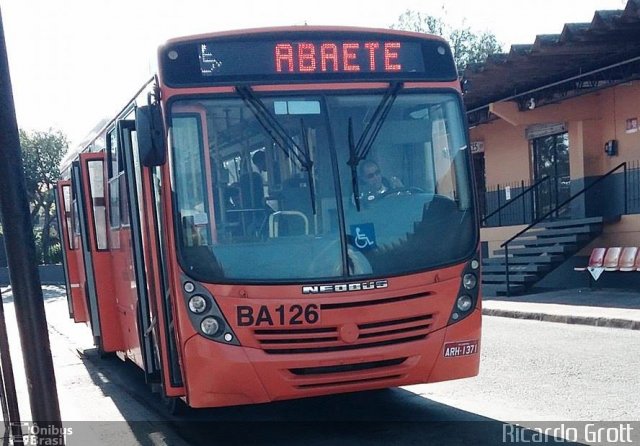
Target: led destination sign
x=306, y=57
x=311, y=57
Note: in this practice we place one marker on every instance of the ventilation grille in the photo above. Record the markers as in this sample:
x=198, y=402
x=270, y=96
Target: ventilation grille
x=345, y=368
x=369, y=303
x=348, y=382
x=327, y=339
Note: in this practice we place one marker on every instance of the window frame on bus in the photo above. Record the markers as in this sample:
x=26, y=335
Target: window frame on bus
x=101, y=245
x=67, y=214
x=119, y=214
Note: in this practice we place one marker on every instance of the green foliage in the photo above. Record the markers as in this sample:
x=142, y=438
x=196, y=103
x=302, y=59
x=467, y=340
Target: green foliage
x=42, y=153
x=50, y=254
x=468, y=46
x=421, y=23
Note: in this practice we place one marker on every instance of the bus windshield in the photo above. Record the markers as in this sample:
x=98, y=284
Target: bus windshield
x=274, y=188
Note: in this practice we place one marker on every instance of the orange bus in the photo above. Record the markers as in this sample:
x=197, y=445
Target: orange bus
x=281, y=213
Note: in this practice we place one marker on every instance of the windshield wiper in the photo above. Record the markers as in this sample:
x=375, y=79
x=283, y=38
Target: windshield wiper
x=359, y=151
x=280, y=136
x=307, y=155
x=353, y=163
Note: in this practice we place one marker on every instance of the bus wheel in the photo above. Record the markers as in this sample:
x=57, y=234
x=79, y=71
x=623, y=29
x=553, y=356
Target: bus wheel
x=174, y=405
x=97, y=341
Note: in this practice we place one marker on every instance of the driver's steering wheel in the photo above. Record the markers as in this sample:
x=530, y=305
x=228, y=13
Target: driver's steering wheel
x=401, y=191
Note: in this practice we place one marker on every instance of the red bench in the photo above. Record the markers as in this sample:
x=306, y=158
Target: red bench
x=630, y=259
x=596, y=260
x=612, y=259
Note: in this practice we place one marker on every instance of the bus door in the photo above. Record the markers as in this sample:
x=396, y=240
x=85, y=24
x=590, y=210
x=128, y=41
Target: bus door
x=94, y=238
x=135, y=311
x=71, y=254
x=82, y=239
x=152, y=217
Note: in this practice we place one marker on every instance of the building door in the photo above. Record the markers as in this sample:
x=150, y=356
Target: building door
x=551, y=159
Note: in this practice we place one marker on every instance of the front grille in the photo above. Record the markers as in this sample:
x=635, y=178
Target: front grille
x=343, y=368
x=368, y=303
x=327, y=339
x=348, y=382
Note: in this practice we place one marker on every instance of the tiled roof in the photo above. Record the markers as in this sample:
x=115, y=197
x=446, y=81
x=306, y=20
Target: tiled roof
x=611, y=38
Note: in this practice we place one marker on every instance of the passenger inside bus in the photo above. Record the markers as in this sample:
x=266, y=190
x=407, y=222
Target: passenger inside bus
x=254, y=208
x=259, y=160
x=251, y=191
x=295, y=207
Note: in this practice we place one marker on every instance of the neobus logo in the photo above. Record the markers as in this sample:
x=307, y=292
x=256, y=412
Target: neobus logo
x=345, y=287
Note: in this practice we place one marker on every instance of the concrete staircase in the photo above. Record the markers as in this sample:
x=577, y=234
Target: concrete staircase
x=537, y=252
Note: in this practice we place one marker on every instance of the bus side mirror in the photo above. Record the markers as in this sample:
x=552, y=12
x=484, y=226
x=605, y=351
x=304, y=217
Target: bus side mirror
x=150, y=133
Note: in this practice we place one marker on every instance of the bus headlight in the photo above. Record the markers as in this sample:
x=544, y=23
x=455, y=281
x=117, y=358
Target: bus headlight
x=468, y=296
x=205, y=315
x=469, y=281
x=464, y=303
x=198, y=304
x=210, y=326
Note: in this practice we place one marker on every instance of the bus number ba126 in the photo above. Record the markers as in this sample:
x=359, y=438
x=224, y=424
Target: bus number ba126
x=247, y=316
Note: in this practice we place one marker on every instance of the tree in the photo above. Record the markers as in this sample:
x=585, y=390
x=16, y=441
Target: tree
x=467, y=45
x=41, y=156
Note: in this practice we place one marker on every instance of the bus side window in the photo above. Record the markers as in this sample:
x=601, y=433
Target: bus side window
x=68, y=213
x=445, y=181
x=96, y=191
x=189, y=174
x=113, y=170
x=76, y=224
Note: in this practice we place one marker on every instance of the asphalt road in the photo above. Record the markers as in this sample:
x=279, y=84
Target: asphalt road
x=531, y=371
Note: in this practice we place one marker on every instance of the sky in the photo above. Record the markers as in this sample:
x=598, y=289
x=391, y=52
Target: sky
x=75, y=62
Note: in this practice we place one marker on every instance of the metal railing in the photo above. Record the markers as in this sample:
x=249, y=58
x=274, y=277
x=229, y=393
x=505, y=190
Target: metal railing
x=505, y=245
x=521, y=196
x=633, y=187
x=538, y=197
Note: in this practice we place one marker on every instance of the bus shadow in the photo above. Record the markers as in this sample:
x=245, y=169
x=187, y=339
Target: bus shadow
x=50, y=293
x=381, y=417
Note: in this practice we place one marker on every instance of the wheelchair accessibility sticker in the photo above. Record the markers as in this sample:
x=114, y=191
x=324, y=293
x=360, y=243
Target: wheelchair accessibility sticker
x=364, y=236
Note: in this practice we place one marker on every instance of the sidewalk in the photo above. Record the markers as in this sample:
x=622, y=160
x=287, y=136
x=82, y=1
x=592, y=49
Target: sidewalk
x=94, y=406
x=612, y=308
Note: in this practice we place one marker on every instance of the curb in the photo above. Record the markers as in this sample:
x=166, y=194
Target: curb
x=564, y=318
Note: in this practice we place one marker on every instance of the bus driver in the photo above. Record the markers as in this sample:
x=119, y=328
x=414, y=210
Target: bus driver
x=375, y=185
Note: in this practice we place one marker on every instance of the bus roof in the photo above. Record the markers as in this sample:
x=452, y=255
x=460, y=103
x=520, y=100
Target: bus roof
x=319, y=53
x=301, y=29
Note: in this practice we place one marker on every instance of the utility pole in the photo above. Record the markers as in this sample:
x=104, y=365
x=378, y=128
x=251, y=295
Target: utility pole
x=21, y=258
